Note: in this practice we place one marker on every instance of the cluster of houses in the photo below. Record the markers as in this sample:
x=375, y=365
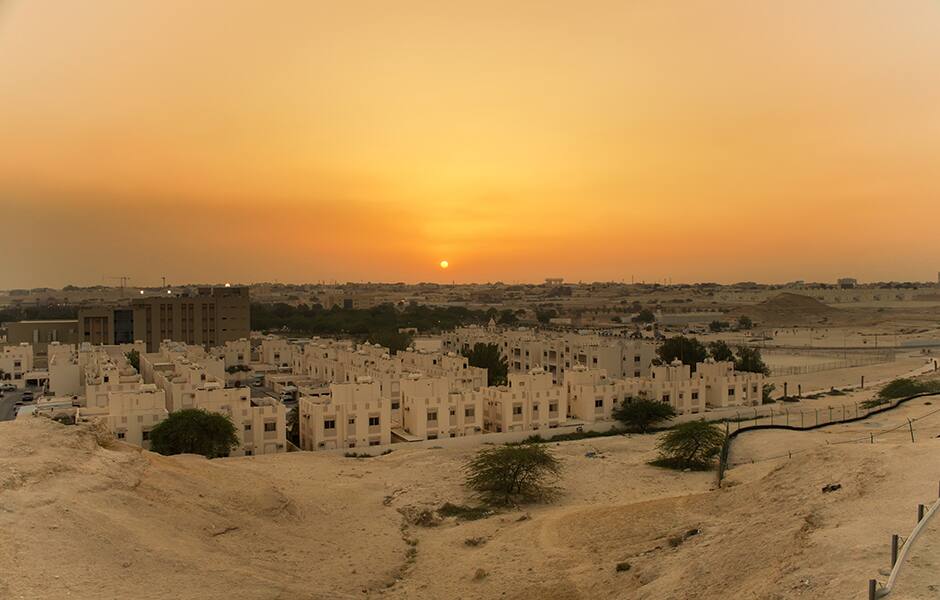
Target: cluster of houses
x=350, y=395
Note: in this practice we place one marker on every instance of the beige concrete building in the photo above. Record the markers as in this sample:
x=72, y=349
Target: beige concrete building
x=530, y=402
x=527, y=349
x=350, y=415
x=431, y=409
x=65, y=373
x=592, y=395
x=131, y=415
x=185, y=374
x=16, y=362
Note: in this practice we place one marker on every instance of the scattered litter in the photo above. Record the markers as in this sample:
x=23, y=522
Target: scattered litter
x=831, y=487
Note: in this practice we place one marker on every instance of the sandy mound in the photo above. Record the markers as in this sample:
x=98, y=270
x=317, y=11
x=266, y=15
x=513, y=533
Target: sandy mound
x=789, y=309
x=81, y=521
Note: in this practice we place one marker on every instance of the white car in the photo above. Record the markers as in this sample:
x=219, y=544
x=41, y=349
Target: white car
x=8, y=387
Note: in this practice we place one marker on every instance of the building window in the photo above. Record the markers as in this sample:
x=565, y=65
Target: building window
x=598, y=404
x=352, y=421
x=395, y=405
x=731, y=391
x=468, y=412
x=248, y=452
x=665, y=397
x=374, y=442
x=695, y=395
x=329, y=424
x=517, y=410
x=432, y=415
x=145, y=436
x=552, y=408
x=270, y=426
x=373, y=421
x=120, y=435
x=248, y=427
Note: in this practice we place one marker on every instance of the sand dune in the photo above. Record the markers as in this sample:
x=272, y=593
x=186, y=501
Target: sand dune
x=79, y=520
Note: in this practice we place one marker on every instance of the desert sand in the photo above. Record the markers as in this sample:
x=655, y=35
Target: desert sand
x=79, y=519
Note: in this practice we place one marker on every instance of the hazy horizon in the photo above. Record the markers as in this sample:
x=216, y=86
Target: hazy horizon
x=304, y=141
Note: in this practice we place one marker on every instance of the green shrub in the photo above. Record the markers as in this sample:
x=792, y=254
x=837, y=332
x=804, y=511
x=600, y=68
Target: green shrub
x=464, y=513
x=692, y=445
x=513, y=474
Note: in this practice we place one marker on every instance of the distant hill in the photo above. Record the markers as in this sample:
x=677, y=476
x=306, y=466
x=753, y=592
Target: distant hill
x=790, y=309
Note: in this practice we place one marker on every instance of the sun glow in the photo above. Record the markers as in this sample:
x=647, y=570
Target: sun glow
x=444, y=264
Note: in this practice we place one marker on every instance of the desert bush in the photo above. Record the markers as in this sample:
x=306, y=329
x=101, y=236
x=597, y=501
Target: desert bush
x=463, y=512
x=506, y=475
x=692, y=445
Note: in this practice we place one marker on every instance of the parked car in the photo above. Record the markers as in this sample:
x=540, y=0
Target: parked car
x=27, y=396
x=8, y=387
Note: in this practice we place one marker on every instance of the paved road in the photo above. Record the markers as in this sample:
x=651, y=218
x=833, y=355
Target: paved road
x=8, y=405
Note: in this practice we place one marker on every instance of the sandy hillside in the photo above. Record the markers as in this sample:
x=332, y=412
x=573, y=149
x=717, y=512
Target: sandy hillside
x=78, y=520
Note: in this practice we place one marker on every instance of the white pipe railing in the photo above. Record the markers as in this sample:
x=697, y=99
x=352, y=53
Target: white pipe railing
x=873, y=591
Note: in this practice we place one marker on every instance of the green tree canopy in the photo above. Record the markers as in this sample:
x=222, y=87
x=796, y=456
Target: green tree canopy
x=720, y=350
x=392, y=339
x=293, y=425
x=691, y=445
x=640, y=415
x=644, y=316
x=489, y=357
x=133, y=359
x=194, y=431
x=687, y=349
x=750, y=360
x=745, y=322
x=717, y=326
x=513, y=474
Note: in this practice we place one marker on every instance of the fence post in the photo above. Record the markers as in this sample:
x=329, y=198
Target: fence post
x=784, y=389
x=920, y=513
x=843, y=412
x=872, y=589
x=856, y=410
x=799, y=390
x=863, y=382
x=872, y=437
x=801, y=419
x=817, y=416
x=788, y=416
x=910, y=424
x=894, y=549
x=771, y=416
x=830, y=414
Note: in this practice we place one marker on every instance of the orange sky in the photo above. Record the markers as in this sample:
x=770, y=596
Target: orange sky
x=698, y=140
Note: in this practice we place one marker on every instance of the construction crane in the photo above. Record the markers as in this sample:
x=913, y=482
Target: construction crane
x=124, y=279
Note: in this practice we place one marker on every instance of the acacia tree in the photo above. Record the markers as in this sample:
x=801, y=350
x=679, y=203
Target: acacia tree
x=489, y=357
x=515, y=474
x=640, y=414
x=194, y=431
x=691, y=445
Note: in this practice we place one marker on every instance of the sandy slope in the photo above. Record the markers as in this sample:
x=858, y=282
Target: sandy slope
x=81, y=521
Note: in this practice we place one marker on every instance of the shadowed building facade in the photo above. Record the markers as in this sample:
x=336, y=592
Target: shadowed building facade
x=209, y=317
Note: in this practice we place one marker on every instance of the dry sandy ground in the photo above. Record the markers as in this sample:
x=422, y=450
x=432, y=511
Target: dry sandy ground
x=78, y=520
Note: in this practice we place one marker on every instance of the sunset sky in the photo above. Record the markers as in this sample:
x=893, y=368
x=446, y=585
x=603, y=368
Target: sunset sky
x=369, y=140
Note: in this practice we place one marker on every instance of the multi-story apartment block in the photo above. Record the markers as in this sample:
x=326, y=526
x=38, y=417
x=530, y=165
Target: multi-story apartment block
x=350, y=415
x=530, y=402
x=209, y=317
x=558, y=352
x=65, y=373
x=182, y=373
x=431, y=409
x=592, y=395
x=726, y=387
x=132, y=414
x=15, y=362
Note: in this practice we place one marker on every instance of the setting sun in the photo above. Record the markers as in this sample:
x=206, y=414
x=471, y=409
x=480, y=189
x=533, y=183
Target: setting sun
x=444, y=264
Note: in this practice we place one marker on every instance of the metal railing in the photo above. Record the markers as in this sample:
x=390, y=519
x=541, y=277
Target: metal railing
x=898, y=558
